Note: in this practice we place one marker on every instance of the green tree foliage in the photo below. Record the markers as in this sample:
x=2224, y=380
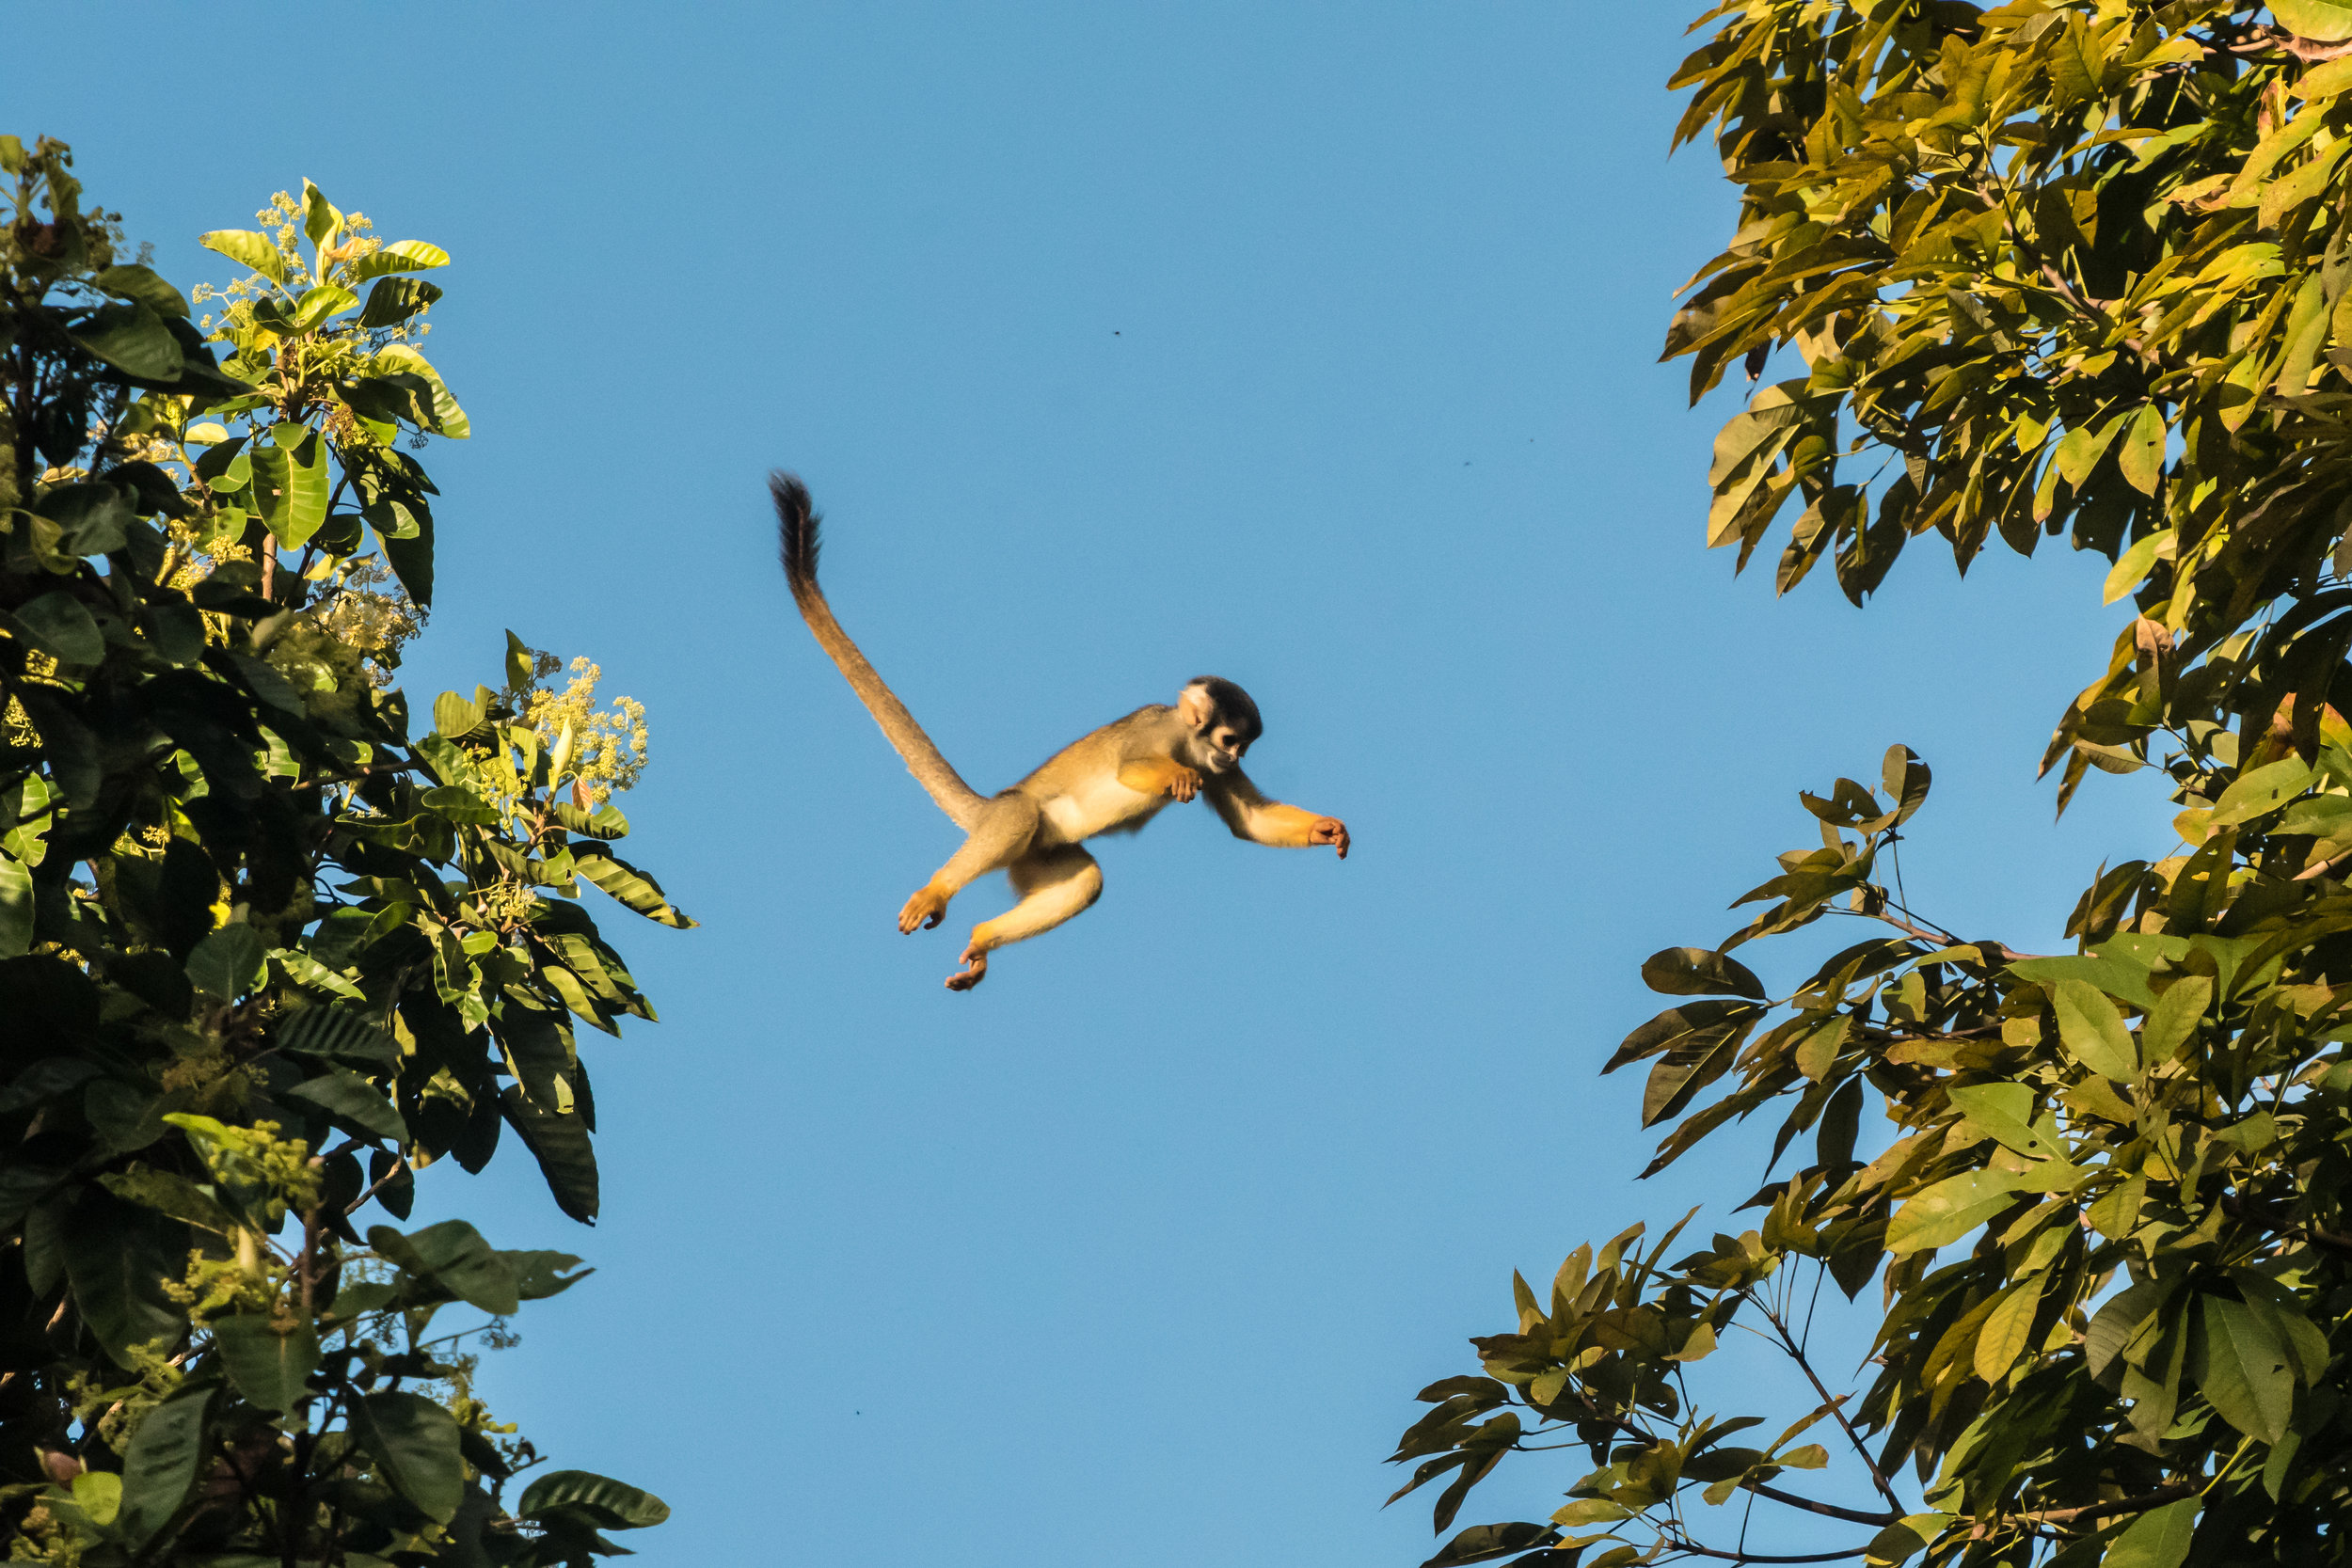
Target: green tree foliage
x=265, y=950
x=2076, y=269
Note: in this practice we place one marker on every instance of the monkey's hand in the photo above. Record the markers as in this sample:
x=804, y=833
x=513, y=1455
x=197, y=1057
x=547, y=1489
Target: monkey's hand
x=1183, y=784
x=974, y=970
x=1331, y=831
x=927, y=908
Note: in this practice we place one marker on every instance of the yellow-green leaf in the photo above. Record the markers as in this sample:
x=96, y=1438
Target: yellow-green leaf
x=2322, y=21
x=2006, y=1329
x=2092, y=1030
x=2133, y=565
x=404, y=256
x=1948, y=1210
x=247, y=249
x=2175, y=1019
x=2262, y=791
x=2141, y=455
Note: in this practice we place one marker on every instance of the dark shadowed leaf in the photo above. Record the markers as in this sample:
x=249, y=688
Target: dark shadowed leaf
x=612, y=1504
x=269, y=1367
x=167, y=1447
x=1697, y=971
x=414, y=1444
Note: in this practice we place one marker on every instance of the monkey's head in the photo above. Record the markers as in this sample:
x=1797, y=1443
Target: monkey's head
x=1224, y=720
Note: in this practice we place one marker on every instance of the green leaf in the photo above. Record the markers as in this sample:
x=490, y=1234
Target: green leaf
x=2141, y=455
x=2241, y=1367
x=99, y=1495
x=540, y=1275
x=321, y=222
x=145, y=285
x=394, y=300
x=613, y=1505
x=447, y=418
x=229, y=963
x=62, y=626
x=2005, y=1110
x=2321, y=20
x=353, y=1105
x=290, y=483
x=166, y=1450
x=117, y=1258
x=605, y=822
x=2175, y=1018
x=317, y=305
x=16, y=907
x=2093, y=1031
x=249, y=250
x=167, y=1193
x=334, y=1034
x=2079, y=452
x=1906, y=781
x=402, y=256
x=414, y=1443
x=631, y=886
x=134, y=340
x=2157, y=1539
x=2133, y=566
x=2007, y=1329
x=561, y=1144
x=1904, y=1539
x=453, y=1253
x=1949, y=1209
x=2262, y=791
x=454, y=715
x=1697, y=971
x=269, y=1368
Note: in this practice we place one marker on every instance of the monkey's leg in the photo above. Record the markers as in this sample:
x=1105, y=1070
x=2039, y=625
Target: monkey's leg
x=1000, y=837
x=1053, y=884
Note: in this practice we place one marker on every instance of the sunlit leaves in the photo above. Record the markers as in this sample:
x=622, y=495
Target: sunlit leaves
x=2078, y=271
x=247, y=249
x=265, y=932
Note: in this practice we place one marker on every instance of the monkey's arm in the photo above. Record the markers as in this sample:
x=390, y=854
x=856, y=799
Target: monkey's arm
x=1160, y=776
x=1253, y=817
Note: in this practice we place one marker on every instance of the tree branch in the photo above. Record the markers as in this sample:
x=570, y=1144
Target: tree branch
x=2239, y=1208
x=1686, y=1544
x=2061, y=1516
x=1851, y=1516
x=1836, y=1407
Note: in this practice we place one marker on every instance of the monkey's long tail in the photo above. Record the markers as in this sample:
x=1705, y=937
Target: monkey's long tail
x=796, y=532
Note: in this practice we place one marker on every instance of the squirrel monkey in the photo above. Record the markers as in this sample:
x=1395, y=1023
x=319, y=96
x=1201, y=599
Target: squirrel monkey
x=1112, y=781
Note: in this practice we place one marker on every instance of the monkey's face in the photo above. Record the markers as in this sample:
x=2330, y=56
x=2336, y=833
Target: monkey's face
x=1222, y=745
x=1224, y=722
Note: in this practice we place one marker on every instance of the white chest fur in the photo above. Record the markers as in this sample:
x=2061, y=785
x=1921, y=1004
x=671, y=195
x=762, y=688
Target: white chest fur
x=1101, y=805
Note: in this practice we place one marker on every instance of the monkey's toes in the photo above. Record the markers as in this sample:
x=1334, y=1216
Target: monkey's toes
x=923, y=912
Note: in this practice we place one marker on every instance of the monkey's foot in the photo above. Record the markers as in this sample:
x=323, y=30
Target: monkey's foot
x=974, y=970
x=1185, y=784
x=924, y=911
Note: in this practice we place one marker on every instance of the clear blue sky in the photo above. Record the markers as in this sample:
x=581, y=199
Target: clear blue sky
x=1312, y=345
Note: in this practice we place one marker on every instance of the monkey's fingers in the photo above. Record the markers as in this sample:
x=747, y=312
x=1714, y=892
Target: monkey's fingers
x=923, y=912
x=1330, y=831
x=974, y=970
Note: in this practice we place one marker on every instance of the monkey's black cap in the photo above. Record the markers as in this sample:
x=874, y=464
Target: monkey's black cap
x=1235, y=704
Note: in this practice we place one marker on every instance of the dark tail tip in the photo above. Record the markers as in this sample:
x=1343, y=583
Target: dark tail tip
x=795, y=527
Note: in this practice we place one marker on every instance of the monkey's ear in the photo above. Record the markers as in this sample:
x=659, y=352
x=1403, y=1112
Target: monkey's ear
x=1194, y=706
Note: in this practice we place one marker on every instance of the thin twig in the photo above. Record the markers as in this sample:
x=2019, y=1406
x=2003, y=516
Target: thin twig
x=1686, y=1544
x=2171, y=1494
x=1836, y=1409
x=1851, y=1516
